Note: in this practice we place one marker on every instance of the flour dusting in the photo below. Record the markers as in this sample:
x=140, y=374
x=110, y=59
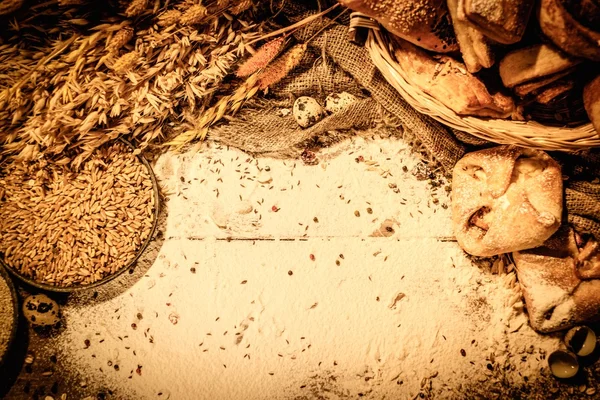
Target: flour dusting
x=278, y=288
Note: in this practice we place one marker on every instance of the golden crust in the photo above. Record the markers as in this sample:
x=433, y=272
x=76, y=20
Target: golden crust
x=566, y=32
x=501, y=20
x=533, y=62
x=591, y=101
x=448, y=81
x=474, y=46
x=556, y=297
x=520, y=193
x=426, y=23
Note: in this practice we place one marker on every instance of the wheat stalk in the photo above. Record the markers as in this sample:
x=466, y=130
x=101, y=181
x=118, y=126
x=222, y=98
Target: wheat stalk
x=120, y=39
x=126, y=62
x=231, y=103
x=10, y=6
x=261, y=58
x=281, y=67
x=136, y=7
x=168, y=18
x=64, y=3
x=241, y=6
x=72, y=95
x=193, y=15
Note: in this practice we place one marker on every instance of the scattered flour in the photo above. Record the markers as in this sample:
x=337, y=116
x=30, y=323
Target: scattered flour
x=296, y=298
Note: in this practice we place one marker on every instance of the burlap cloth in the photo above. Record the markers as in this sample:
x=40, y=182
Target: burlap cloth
x=333, y=65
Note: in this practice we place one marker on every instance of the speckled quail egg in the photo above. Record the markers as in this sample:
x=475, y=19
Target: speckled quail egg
x=307, y=111
x=581, y=340
x=338, y=101
x=41, y=310
x=563, y=364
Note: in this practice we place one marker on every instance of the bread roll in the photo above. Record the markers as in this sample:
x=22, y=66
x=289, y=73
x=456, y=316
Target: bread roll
x=533, y=62
x=505, y=199
x=501, y=20
x=535, y=85
x=426, y=23
x=552, y=91
x=566, y=32
x=474, y=46
x=556, y=297
x=448, y=81
x=591, y=101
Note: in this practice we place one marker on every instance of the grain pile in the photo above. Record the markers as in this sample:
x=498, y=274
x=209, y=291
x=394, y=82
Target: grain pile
x=82, y=73
x=6, y=315
x=67, y=228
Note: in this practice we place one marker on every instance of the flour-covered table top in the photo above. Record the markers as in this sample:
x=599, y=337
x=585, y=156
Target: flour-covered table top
x=274, y=279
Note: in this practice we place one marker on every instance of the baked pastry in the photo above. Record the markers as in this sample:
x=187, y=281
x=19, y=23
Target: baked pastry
x=566, y=32
x=505, y=199
x=501, y=20
x=556, y=295
x=535, y=85
x=448, y=81
x=474, y=46
x=426, y=23
x=591, y=101
x=534, y=62
x=554, y=90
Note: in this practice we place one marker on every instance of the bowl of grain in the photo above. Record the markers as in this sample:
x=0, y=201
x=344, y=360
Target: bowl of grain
x=8, y=314
x=64, y=230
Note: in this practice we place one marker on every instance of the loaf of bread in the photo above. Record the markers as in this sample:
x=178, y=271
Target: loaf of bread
x=505, y=199
x=448, y=81
x=591, y=101
x=501, y=20
x=535, y=85
x=552, y=91
x=556, y=297
x=566, y=32
x=426, y=23
x=532, y=63
x=474, y=46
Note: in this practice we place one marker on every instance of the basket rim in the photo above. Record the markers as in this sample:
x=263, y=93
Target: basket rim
x=531, y=134
x=77, y=288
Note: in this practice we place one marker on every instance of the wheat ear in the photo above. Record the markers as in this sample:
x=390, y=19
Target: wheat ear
x=279, y=69
x=261, y=58
x=231, y=103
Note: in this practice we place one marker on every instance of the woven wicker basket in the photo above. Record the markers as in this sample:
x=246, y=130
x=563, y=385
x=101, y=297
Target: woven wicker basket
x=529, y=134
